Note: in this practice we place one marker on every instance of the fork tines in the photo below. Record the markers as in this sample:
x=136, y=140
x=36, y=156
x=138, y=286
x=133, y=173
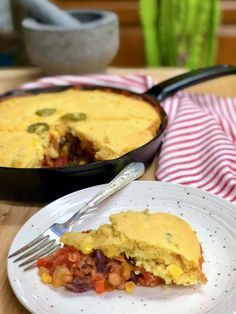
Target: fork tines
x=39, y=247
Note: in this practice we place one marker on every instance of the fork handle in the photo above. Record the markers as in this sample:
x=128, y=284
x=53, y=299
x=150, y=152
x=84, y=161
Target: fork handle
x=131, y=172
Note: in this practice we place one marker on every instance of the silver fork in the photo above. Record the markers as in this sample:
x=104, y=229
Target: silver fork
x=48, y=241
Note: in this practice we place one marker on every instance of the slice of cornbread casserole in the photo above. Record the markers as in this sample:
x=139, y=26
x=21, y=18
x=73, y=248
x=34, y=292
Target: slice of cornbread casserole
x=135, y=248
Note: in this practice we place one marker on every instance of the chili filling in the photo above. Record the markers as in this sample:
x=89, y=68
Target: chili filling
x=67, y=151
x=77, y=272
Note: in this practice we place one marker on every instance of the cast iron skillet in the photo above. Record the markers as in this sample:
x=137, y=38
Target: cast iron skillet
x=47, y=184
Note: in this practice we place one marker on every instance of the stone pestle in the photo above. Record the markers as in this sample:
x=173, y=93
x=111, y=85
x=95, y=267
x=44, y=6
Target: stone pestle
x=46, y=12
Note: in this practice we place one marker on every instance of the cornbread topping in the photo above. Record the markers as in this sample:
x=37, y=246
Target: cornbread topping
x=73, y=127
x=135, y=248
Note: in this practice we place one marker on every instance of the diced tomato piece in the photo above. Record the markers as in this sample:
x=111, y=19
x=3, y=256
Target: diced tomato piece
x=108, y=286
x=65, y=250
x=99, y=286
x=99, y=283
x=66, y=256
x=60, y=260
x=45, y=262
x=60, y=161
x=149, y=280
x=98, y=276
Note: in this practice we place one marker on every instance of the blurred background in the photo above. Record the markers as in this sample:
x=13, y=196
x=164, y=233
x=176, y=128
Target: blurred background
x=185, y=33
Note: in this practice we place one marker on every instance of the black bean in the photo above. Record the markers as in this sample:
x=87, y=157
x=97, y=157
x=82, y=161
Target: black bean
x=134, y=277
x=101, y=262
x=131, y=260
x=79, y=285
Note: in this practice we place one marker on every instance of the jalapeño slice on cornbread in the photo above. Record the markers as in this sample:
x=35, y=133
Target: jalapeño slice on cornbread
x=134, y=249
x=73, y=127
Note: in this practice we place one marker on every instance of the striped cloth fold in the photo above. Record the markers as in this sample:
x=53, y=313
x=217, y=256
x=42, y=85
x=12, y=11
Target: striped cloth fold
x=138, y=83
x=199, y=147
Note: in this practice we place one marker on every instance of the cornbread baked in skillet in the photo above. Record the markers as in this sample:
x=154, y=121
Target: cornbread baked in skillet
x=141, y=248
x=73, y=127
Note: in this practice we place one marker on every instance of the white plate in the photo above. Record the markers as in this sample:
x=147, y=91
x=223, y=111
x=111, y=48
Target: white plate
x=213, y=219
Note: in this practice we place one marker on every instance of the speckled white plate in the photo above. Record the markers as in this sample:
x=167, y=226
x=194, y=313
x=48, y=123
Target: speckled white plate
x=213, y=219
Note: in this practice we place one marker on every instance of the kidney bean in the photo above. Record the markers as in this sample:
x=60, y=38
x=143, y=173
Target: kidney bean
x=101, y=262
x=79, y=285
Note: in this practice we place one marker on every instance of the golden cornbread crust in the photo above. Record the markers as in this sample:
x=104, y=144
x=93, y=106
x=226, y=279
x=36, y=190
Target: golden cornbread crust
x=161, y=243
x=111, y=124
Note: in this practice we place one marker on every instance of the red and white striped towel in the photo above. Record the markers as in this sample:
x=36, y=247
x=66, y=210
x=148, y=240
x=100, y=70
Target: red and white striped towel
x=136, y=83
x=199, y=147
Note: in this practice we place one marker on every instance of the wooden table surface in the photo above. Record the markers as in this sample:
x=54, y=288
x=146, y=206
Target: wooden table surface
x=13, y=216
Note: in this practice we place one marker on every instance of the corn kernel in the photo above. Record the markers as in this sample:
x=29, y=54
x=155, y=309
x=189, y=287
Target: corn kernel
x=129, y=286
x=60, y=129
x=175, y=271
x=86, y=249
x=46, y=278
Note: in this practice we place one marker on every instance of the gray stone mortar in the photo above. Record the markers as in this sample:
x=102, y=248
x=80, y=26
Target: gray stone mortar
x=88, y=48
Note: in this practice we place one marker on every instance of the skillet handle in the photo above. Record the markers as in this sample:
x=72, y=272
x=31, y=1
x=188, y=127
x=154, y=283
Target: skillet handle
x=168, y=87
